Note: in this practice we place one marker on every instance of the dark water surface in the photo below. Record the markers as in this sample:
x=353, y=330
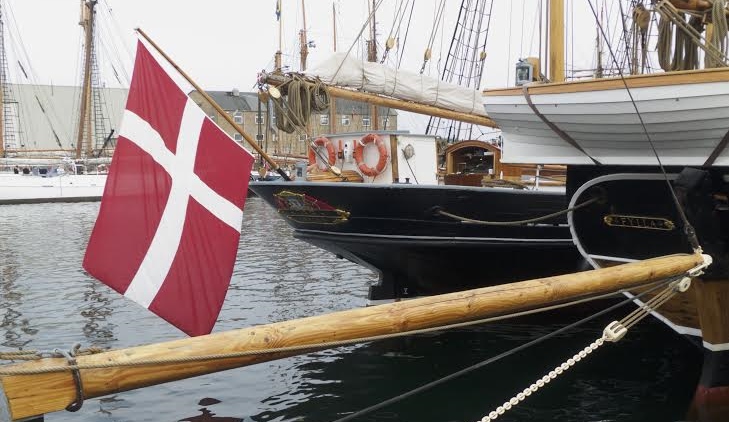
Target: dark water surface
x=47, y=302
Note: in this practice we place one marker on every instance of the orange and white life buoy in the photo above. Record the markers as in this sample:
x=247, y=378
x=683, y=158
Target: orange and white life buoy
x=331, y=154
x=381, y=149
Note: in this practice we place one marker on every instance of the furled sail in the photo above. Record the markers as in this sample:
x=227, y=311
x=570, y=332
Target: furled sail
x=343, y=70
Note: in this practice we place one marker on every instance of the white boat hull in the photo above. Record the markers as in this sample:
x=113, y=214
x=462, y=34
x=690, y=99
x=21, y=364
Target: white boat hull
x=18, y=188
x=686, y=122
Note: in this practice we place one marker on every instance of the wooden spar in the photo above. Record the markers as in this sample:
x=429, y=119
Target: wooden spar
x=87, y=21
x=217, y=108
x=698, y=5
x=277, y=57
x=332, y=100
x=556, y=40
x=304, y=51
x=31, y=395
x=372, y=57
x=3, y=80
x=379, y=100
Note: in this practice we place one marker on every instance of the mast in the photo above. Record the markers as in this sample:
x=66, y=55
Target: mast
x=556, y=40
x=277, y=56
x=3, y=77
x=302, y=39
x=598, y=45
x=87, y=22
x=372, y=57
x=333, y=101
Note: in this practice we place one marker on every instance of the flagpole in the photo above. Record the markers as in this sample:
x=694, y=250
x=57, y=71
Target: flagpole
x=217, y=108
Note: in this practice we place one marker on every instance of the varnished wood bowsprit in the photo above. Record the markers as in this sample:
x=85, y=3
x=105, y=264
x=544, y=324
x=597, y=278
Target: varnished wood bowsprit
x=32, y=395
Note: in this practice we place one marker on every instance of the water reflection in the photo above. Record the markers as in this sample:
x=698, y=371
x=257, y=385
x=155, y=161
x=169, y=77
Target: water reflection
x=207, y=415
x=97, y=329
x=13, y=324
x=626, y=382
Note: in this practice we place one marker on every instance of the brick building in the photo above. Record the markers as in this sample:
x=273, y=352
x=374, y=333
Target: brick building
x=351, y=116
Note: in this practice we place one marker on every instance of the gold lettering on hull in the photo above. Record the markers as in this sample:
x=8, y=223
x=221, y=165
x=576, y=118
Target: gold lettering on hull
x=639, y=222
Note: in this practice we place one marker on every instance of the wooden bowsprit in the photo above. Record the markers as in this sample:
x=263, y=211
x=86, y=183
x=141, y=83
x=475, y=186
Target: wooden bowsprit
x=35, y=392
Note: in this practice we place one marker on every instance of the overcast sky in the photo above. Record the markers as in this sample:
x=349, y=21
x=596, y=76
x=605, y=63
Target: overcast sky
x=222, y=44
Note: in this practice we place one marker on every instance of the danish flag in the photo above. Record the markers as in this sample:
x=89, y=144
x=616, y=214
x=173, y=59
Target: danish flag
x=169, y=224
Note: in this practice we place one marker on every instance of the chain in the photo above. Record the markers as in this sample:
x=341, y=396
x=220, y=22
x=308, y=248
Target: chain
x=615, y=331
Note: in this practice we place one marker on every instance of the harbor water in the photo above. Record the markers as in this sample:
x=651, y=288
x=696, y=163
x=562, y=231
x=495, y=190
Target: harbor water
x=47, y=302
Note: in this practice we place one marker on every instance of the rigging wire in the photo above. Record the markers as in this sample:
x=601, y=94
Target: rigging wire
x=502, y=355
x=433, y=33
x=688, y=228
x=357, y=38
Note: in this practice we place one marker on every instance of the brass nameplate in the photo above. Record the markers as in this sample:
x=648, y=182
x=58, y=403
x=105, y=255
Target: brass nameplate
x=639, y=222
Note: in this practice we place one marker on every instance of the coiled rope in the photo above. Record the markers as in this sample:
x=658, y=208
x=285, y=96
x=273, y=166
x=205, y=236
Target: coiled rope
x=719, y=35
x=294, y=109
x=517, y=222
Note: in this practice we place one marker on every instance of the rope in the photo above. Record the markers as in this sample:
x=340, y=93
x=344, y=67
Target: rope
x=498, y=357
x=518, y=222
x=302, y=97
x=29, y=355
x=719, y=36
x=615, y=331
x=307, y=347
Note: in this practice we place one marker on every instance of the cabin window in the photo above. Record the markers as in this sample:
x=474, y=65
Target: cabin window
x=260, y=119
x=238, y=118
x=345, y=120
x=324, y=120
x=237, y=137
x=365, y=122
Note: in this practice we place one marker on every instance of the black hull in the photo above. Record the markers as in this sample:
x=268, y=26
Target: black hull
x=397, y=231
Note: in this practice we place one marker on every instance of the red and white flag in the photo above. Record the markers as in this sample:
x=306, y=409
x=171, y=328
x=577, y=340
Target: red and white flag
x=169, y=224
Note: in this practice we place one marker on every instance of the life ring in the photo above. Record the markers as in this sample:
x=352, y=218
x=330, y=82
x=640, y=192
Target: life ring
x=381, y=149
x=331, y=154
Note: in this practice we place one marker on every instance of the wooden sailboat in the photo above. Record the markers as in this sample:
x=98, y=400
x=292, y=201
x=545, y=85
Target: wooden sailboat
x=44, y=176
x=392, y=222
x=611, y=134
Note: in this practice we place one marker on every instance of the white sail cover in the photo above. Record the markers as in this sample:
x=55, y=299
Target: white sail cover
x=343, y=70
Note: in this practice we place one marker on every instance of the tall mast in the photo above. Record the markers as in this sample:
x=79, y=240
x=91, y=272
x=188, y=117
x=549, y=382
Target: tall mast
x=372, y=57
x=598, y=45
x=333, y=101
x=87, y=22
x=556, y=40
x=302, y=39
x=3, y=78
x=277, y=58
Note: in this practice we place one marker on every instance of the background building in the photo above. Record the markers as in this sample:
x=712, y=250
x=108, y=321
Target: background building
x=350, y=116
x=45, y=118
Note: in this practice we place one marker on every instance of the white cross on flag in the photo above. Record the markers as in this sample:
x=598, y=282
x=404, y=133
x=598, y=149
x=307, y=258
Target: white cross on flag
x=169, y=224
